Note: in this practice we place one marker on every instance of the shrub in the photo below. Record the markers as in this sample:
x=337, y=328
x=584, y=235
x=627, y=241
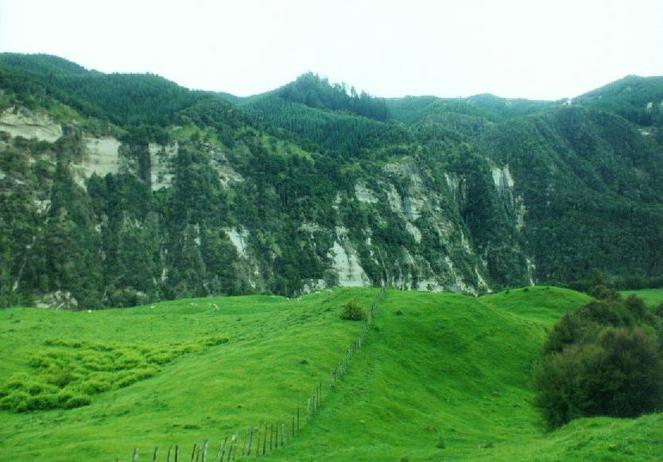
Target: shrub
x=603, y=292
x=16, y=401
x=637, y=306
x=42, y=402
x=92, y=387
x=77, y=401
x=659, y=310
x=353, y=311
x=601, y=360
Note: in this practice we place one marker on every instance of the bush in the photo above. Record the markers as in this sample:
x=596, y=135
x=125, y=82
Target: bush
x=659, y=310
x=353, y=311
x=77, y=401
x=601, y=360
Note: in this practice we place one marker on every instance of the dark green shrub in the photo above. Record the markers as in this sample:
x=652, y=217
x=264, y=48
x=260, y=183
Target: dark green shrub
x=43, y=402
x=564, y=333
x=659, y=310
x=353, y=311
x=607, y=313
x=637, y=306
x=16, y=401
x=603, y=292
x=603, y=359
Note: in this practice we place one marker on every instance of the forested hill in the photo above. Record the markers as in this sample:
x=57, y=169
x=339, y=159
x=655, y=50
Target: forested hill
x=117, y=189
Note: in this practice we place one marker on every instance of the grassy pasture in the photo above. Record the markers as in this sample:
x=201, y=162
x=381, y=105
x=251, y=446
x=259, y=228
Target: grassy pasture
x=439, y=377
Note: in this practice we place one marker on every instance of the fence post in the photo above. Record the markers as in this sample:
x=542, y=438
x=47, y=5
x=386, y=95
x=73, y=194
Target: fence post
x=264, y=441
x=168, y=455
x=277, y=436
x=204, y=458
x=177, y=453
x=297, y=418
x=282, y=434
x=232, y=445
x=222, y=450
x=250, y=443
x=154, y=454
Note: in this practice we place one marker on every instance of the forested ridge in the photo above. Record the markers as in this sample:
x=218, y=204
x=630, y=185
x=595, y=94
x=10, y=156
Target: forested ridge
x=152, y=191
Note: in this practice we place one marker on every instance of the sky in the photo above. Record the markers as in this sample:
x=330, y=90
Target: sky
x=536, y=49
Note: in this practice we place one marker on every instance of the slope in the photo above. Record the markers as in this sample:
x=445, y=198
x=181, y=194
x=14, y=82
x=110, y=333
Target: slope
x=445, y=377
x=638, y=99
x=277, y=351
x=117, y=190
x=439, y=376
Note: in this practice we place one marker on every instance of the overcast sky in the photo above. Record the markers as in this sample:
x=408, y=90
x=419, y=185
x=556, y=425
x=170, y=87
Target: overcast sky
x=531, y=49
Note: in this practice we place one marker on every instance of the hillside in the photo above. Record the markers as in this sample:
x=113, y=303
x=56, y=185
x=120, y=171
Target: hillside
x=434, y=367
x=118, y=190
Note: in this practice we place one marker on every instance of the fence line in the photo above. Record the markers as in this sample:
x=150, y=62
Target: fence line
x=236, y=446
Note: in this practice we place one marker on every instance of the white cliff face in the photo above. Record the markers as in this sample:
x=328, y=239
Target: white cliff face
x=22, y=122
x=345, y=262
x=394, y=200
x=227, y=175
x=502, y=178
x=101, y=156
x=347, y=267
x=239, y=238
x=504, y=184
x=414, y=231
x=160, y=172
x=364, y=194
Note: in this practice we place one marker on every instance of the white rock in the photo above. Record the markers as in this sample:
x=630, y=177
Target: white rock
x=364, y=194
x=239, y=239
x=414, y=231
x=101, y=157
x=347, y=267
x=22, y=122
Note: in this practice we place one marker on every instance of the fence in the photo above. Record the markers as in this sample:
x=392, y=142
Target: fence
x=262, y=440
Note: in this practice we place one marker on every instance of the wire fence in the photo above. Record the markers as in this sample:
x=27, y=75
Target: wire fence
x=263, y=439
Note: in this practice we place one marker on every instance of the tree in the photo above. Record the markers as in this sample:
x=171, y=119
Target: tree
x=603, y=359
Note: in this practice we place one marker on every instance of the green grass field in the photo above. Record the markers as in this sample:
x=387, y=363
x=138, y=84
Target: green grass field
x=439, y=377
x=652, y=297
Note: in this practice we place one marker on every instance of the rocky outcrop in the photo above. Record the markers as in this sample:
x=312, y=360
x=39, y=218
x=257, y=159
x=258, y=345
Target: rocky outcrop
x=19, y=121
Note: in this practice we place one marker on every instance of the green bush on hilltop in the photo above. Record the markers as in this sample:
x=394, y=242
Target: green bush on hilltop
x=353, y=311
x=603, y=359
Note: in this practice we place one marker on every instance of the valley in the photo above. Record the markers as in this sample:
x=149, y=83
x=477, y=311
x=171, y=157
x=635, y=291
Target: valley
x=378, y=279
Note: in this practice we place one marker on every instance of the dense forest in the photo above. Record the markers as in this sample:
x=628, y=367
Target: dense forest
x=315, y=185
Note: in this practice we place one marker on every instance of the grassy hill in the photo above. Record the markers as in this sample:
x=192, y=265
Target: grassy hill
x=652, y=297
x=435, y=370
x=277, y=351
